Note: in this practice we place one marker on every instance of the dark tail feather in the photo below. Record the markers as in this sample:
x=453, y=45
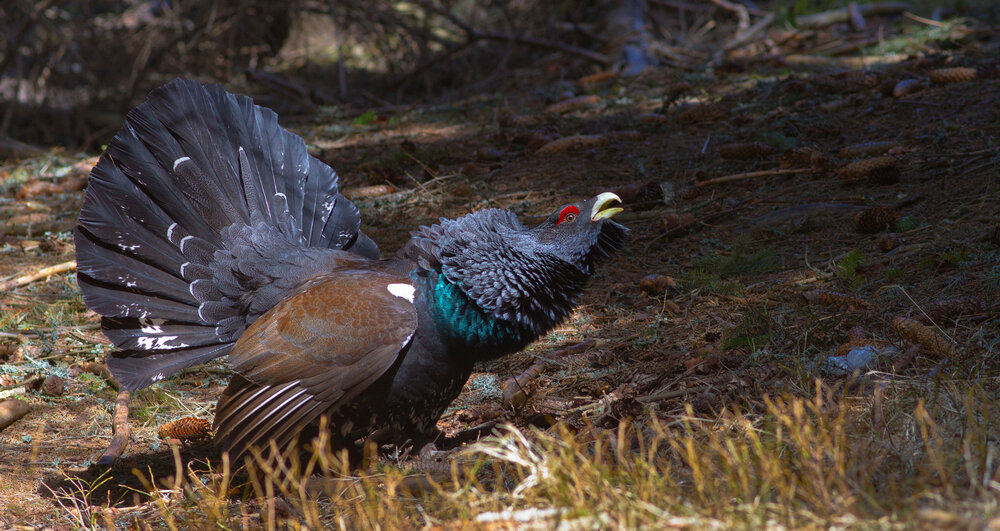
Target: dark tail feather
x=139, y=369
x=152, y=248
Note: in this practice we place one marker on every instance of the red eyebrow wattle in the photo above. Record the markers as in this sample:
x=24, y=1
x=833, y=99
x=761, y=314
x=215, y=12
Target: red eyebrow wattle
x=566, y=211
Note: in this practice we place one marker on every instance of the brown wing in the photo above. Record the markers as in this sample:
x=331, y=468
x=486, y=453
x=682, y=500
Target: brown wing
x=311, y=353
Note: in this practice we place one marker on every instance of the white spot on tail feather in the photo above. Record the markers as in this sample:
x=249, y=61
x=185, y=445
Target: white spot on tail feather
x=159, y=343
x=170, y=232
x=183, y=241
x=328, y=208
x=401, y=290
x=179, y=161
x=152, y=326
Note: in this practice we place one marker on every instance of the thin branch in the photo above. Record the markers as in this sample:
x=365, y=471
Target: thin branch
x=41, y=274
x=472, y=35
x=750, y=175
x=515, y=389
x=697, y=224
x=547, y=44
x=46, y=330
x=741, y=12
x=120, y=428
x=836, y=16
x=751, y=33
x=27, y=384
x=674, y=394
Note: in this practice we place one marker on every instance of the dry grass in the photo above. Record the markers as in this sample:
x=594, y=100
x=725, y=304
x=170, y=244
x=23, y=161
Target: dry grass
x=912, y=453
x=739, y=434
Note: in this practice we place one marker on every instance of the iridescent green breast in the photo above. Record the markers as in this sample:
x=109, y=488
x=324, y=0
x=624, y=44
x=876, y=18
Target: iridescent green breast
x=464, y=324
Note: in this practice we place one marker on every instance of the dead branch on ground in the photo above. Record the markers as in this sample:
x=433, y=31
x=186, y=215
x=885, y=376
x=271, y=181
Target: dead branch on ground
x=515, y=389
x=11, y=410
x=120, y=429
x=43, y=273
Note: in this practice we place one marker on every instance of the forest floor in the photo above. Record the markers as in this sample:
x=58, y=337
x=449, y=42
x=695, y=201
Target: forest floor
x=789, y=216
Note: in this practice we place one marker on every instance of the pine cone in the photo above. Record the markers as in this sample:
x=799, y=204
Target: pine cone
x=952, y=75
x=867, y=149
x=862, y=168
x=826, y=298
x=930, y=341
x=875, y=219
x=948, y=309
x=186, y=429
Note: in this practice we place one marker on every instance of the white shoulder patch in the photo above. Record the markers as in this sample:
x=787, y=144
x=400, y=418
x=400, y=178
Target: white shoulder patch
x=401, y=290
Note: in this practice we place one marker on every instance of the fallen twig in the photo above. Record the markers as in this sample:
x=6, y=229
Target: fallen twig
x=680, y=230
x=16, y=149
x=101, y=370
x=41, y=274
x=46, y=330
x=515, y=389
x=749, y=34
x=750, y=175
x=120, y=429
x=741, y=12
x=674, y=394
x=837, y=16
x=414, y=484
x=606, y=400
x=473, y=35
x=27, y=384
x=11, y=410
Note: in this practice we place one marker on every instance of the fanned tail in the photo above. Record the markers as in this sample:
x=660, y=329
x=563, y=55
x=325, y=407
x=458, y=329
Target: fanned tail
x=202, y=214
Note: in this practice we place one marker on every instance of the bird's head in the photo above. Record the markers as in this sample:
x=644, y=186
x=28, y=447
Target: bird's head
x=530, y=276
x=582, y=233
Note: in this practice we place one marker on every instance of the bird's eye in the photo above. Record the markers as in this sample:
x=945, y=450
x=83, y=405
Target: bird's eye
x=568, y=214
